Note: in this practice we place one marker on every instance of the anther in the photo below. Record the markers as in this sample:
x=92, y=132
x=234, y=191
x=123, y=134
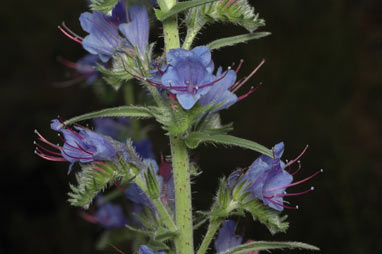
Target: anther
x=297, y=207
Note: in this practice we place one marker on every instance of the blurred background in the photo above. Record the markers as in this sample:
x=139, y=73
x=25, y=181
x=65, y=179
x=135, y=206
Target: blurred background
x=321, y=86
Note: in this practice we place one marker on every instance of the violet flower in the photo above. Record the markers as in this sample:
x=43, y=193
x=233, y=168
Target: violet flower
x=82, y=146
x=103, y=39
x=226, y=237
x=110, y=216
x=143, y=249
x=137, y=30
x=268, y=179
x=189, y=74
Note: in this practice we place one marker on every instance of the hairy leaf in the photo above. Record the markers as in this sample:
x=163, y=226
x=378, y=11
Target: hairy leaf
x=230, y=41
x=103, y=5
x=195, y=138
x=263, y=245
x=179, y=7
x=123, y=111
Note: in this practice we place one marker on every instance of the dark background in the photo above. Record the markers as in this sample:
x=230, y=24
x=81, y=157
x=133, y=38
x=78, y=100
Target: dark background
x=321, y=86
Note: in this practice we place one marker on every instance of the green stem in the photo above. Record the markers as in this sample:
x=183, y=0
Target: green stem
x=162, y=211
x=212, y=228
x=183, y=208
x=170, y=27
x=130, y=100
x=191, y=33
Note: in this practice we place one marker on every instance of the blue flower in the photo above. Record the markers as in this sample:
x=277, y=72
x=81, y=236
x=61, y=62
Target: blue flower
x=268, y=179
x=114, y=128
x=110, y=216
x=103, y=39
x=189, y=74
x=143, y=249
x=220, y=92
x=86, y=66
x=226, y=238
x=137, y=30
x=144, y=148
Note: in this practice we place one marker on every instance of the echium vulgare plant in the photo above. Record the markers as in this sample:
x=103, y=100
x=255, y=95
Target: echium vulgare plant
x=184, y=91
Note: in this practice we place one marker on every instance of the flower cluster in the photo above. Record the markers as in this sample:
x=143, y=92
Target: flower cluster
x=267, y=179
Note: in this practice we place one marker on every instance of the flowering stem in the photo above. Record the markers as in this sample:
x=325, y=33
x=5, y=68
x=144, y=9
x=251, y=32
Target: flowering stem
x=130, y=100
x=162, y=211
x=212, y=228
x=191, y=33
x=170, y=26
x=183, y=208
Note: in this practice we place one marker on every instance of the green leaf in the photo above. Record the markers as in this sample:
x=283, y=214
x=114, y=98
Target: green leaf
x=123, y=111
x=179, y=7
x=263, y=245
x=90, y=182
x=163, y=234
x=267, y=216
x=195, y=138
x=230, y=41
x=103, y=5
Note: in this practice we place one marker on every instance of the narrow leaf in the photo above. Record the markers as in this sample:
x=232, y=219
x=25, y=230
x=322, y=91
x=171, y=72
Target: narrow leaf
x=262, y=245
x=230, y=41
x=195, y=138
x=124, y=111
x=179, y=7
x=103, y=5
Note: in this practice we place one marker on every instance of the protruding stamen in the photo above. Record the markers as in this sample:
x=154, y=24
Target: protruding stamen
x=251, y=91
x=238, y=85
x=69, y=35
x=48, y=157
x=239, y=66
x=282, y=205
x=296, y=183
x=285, y=194
x=298, y=157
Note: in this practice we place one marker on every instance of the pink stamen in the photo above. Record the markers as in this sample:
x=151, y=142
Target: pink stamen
x=295, y=172
x=46, y=141
x=279, y=204
x=48, y=157
x=118, y=250
x=119, y=187
x=298, y=157
x=70, y=36
x=45, y=149
x=251, y=91
x=296, y=193
x=296, y=183
x=77, y=158
x=99, y=169
x=236, y=87
x=239, y=66
x=88, y=217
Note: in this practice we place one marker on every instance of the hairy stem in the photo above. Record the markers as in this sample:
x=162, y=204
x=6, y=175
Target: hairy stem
x=162, y=211
x=183, y=207
x=191, y=34
x=170, y=26
x=212, y=228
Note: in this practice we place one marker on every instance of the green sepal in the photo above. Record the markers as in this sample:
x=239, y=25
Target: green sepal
x=103, y=5
x=263, y=245
x=92, y=181
x=230, y=41
x=114, y=77
x=163, y=234
x=195, y=138
x=152, y=183
x=211, y=124
x=179, y=7
x=267, y=216
x=123, y=111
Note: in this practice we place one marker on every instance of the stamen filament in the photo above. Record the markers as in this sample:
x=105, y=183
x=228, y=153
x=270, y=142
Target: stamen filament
x=296, y=183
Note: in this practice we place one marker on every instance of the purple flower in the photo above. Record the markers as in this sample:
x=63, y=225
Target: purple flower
x=110, y=216
x=86, y=66
x=144, y=148
x=114, y=128
x=268, y=179
x=103, y=39
x=189, y=74
x=82, y=146
x=226, y=238
x=220, y=92
x=143, y=249
x=137, y=30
